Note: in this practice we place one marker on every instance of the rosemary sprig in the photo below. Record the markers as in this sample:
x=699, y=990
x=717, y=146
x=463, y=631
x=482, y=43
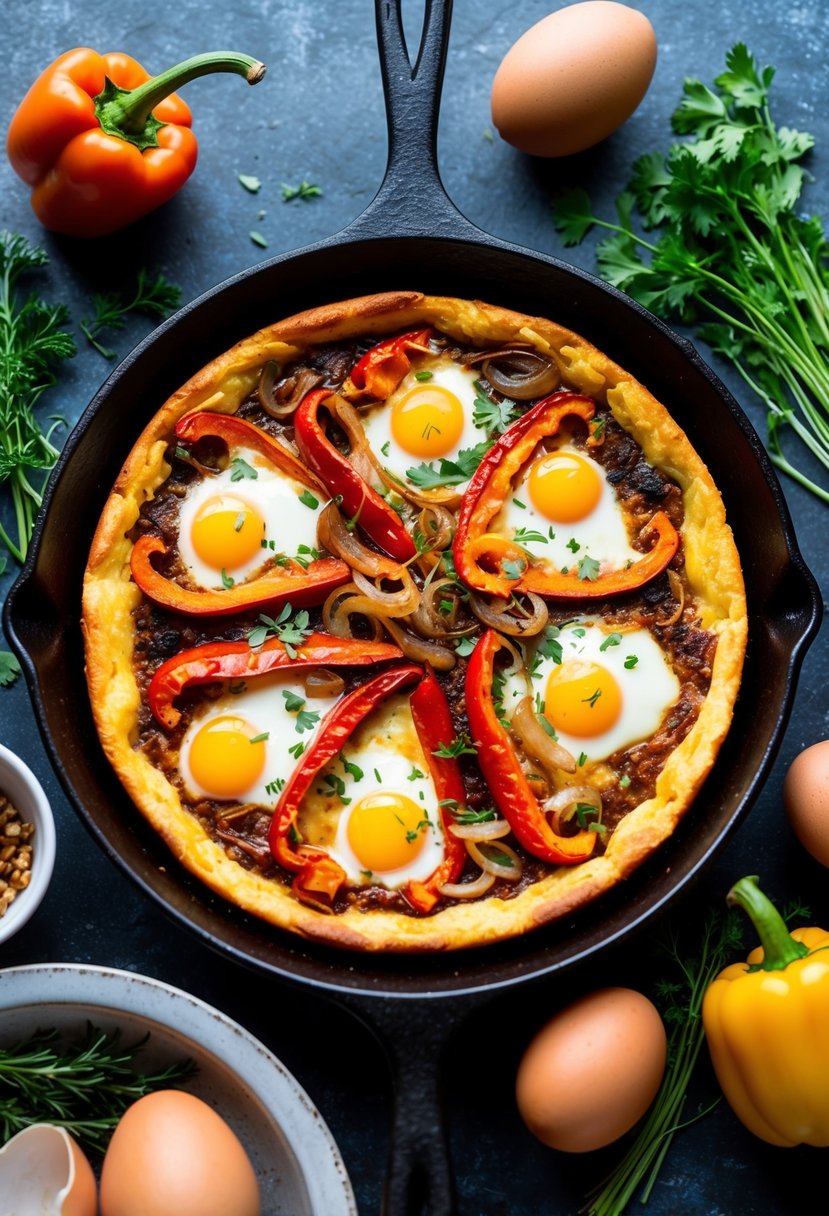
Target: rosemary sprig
x=84, y=1087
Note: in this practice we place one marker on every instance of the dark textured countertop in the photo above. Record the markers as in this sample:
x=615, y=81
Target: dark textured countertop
x=319, y=116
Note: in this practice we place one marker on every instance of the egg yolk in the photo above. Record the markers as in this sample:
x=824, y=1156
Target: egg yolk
x=427, y=421
x=386, y=831
x=227, y=532
x=582, y=699
x=564, y=486
x=226, y=756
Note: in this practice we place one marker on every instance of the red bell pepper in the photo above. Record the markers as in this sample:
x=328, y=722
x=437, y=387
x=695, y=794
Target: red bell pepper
x=490, y=487
x=237, y=432
x=238, y=661
x=102, y=143
x=382, y=368
x=279, y=585
x=502, y=770
x=318, y=876
x=359, y=501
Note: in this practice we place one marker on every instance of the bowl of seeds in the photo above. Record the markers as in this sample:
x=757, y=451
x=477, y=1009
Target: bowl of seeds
x=27, y=843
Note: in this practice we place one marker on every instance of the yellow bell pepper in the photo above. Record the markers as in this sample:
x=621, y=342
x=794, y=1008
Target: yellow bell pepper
x=767, y=1026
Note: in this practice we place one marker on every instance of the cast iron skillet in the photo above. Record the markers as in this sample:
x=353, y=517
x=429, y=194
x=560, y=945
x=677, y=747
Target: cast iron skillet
x=412, y=237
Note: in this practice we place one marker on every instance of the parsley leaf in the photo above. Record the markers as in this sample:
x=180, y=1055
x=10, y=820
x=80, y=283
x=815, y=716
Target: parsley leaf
x=291, y=631
x=241, y=470
x=304, y=191
x=9, y=668
x=251, y=184
x=492, y=416
x=588, y=568
x=734, y=253
x=449, y=472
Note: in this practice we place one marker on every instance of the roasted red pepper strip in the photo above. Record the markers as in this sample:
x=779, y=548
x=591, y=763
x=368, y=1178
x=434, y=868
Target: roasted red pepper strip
x=382, y=368
x=237, y=661
x=490, y=487
x=277, y=586
x=502, y=770
x=101, y=143
x=359, y=501
x=236, y=431
x=434, y=727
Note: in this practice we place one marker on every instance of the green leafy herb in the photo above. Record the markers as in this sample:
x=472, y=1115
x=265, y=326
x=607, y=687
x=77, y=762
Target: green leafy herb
x=624, y=781
x=461, y=745
x=293, y=701
x=291, y=631
x=735, y=252
x=9, y=668
x=306, y=720
x=464, y=647
x=513, y=569
x=251, y=184
x=467, y=816
x=354, y=769
x=297, y=750
x=420, y=376
x=587, y=817
x=82, y=1086
x=526, y=536
x=415, y=774
x=258, y=239
x=308, y=500
x=588, y=568
x=681, y=1001
x=304, y=191
x=492, y=416
x=32, y=342
x=228, y=580
x=549, y=645
x=240, y=470
x=154, y=297
x=631, y=661
x=612, y=639
x=449, y=472
x=275, y=787
x=262, y=738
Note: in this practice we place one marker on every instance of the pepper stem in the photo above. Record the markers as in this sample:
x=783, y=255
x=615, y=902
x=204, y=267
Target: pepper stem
x=779, y=947
x=128, y=113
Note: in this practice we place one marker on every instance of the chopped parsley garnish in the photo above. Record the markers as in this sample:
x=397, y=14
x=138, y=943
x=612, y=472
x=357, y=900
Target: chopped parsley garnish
x=631, y=661
x=258, y=239
x=588, y=568
x=467, y=816
x=422, y=376
x=574, y=546
x=308, y=500
x=291, y=632
x=241, y=470
x=275, y=787
x=266, y=734
x=464, y=647
x=239, y=522
x=415, y=774
x=513, y=569
x=293, y=701
x=385, y=448
x=251, y=184
x=461, y=745
x=526, y=536
x=520, y=504
x=549, y=645
x=624, y=781
x=493, y=416
x=354, y=769
x=297, y=750
x=227, y=580
x=593, y=698
x=449, y=472
x=304, y=191
x=582, y=760
x=612, y=639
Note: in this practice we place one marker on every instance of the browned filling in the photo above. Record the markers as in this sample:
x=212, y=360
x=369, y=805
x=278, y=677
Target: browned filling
x=664, y=606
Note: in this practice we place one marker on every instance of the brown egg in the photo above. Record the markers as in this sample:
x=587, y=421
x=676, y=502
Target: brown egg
x=592, y=1071
x=173, y=1155
x=806, y=799
x=573, y=78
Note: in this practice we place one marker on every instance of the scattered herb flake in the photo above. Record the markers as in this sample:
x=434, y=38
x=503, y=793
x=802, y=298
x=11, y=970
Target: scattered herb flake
x=251, y=184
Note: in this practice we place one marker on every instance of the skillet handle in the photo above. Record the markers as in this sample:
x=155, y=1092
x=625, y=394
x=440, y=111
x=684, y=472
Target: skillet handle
x=412, y=200
x=413, y=1034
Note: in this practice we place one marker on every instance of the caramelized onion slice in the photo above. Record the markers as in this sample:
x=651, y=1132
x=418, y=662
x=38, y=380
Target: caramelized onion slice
x=282, y=402
x=344, y=603
x=502, y=861
x=429, y=620
x=323, y=683
x=562, y=805
x=468, y=890
x=490, y=829
x=519, y=372
x=417, y=648
x=536, y=742
x=401, y=602
x=334, y=535
x=504, y=616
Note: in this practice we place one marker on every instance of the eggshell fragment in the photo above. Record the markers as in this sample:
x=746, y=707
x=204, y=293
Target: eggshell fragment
x=806, y=799
x=43, y=1172
x=173, y=1155
x=592, y=1071
x=573, y=78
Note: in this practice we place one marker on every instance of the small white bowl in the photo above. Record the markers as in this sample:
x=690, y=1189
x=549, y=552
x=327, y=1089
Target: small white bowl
x=24, y=791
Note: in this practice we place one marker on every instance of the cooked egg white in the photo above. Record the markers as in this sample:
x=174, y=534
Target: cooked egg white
x=375, y=808
x=232, y=522
x=599, y=689
x=243, y=746
x=427, y=417
x=563, y=509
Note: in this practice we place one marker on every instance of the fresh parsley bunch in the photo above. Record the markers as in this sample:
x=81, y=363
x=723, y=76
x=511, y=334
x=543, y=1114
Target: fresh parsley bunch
x=733, y=254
